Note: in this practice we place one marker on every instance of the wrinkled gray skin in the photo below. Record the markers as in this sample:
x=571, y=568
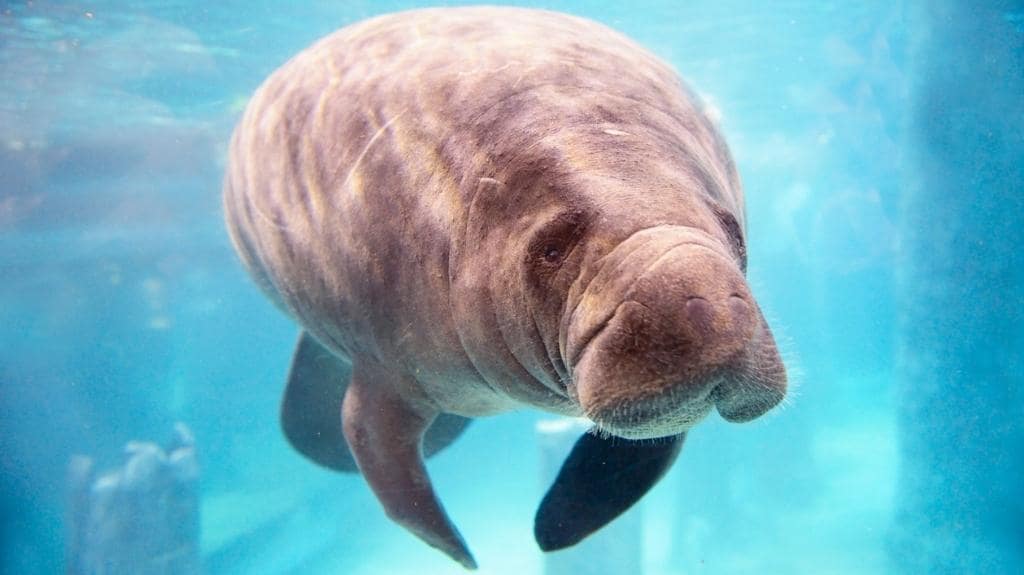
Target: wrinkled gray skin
x=484, y=208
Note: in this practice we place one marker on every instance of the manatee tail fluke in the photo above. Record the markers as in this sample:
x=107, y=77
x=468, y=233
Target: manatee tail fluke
x=311, y=411
x=601, y=479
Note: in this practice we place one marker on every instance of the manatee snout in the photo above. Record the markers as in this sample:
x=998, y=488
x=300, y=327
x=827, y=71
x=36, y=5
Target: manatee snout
x=667, y=330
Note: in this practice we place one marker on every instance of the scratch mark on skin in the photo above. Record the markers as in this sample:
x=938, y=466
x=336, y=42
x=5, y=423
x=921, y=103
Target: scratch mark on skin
x=267, y=219
x=366, y=148
x=481, y=69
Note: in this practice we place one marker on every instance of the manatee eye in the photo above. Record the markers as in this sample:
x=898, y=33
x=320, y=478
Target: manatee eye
x=554, y=241
x=552, y=251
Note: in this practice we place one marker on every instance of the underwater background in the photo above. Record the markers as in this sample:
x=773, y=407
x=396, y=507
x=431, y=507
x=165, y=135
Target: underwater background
x=881, y=145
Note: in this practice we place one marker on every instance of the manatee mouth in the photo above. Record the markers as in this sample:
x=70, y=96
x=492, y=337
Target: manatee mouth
x=637, y=407
x=626, y=397
x=664, y=414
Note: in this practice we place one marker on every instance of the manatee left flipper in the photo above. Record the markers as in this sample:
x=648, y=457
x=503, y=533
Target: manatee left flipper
x=601, y=479
x=311, y=410
x=384, y=429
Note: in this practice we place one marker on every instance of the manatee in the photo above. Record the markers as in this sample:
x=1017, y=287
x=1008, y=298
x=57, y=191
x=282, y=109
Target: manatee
x=473, y=210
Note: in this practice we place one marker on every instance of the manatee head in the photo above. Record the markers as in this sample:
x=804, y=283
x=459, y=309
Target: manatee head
x=659, y=324
x=624, y=293
x=663, y=328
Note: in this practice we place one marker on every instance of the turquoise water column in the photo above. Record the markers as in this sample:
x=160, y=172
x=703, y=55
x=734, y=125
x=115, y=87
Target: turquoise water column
x=960, y=504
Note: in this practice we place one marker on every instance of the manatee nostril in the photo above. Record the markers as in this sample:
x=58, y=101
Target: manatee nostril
x=700, y=313
x=738, y=304
x=735, y=300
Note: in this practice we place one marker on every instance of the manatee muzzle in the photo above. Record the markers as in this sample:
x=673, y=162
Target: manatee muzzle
x=666, y=330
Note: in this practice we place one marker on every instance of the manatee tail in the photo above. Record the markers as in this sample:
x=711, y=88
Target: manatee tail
x=311, y=410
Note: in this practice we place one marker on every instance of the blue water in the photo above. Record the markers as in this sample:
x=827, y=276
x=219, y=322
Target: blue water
x=123, y=308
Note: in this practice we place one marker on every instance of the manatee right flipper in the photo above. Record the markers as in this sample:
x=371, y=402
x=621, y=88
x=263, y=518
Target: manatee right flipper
x=384, y=430
x=601, y=479
x=311, y=410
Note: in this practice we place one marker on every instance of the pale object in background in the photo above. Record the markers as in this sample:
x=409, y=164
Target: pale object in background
x=143, y=518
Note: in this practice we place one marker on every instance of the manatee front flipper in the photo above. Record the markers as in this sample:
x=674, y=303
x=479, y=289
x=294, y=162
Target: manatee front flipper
x=602, y=478
x=384, y=429
x=311, y=410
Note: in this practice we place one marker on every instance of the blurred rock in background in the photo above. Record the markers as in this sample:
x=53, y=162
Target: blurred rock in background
x=142, y=519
